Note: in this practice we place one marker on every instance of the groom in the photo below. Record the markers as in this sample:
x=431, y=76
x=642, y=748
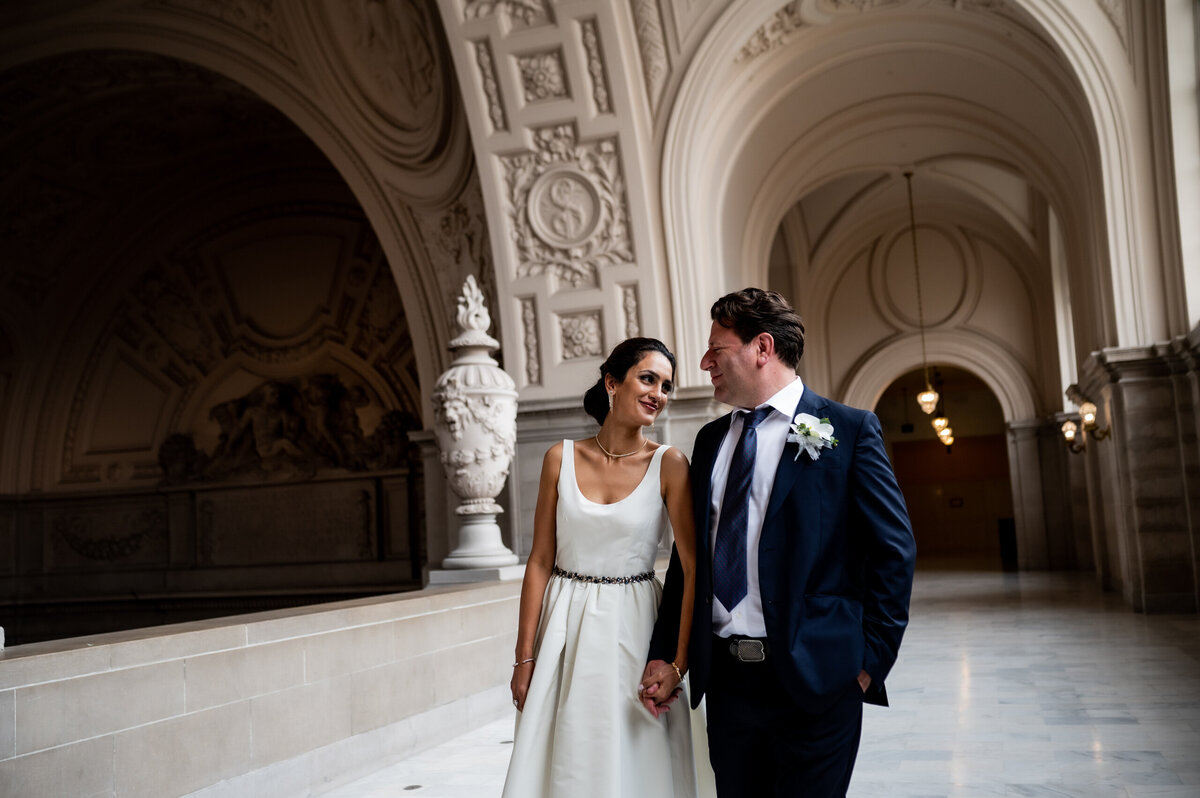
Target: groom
x=802, y=602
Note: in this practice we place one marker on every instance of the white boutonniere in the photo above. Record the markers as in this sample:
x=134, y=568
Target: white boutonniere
x=812, y=434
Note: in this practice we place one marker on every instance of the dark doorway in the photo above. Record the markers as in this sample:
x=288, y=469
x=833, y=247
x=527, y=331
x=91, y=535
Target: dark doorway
x=959, y=496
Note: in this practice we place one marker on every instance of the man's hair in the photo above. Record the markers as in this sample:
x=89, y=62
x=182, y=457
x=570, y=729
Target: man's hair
x=752, y=311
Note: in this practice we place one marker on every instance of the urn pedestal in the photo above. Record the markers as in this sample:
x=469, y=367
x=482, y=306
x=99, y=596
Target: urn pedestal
x=475, y=416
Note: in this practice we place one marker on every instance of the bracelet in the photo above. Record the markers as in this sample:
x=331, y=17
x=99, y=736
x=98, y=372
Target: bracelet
x=677, y=672
x=519, y=663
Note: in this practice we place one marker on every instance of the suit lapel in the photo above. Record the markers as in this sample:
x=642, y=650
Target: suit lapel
x=704, y=457
x=790, y=466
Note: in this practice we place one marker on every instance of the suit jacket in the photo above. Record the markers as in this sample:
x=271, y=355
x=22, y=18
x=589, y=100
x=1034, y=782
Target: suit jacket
x=835, y=563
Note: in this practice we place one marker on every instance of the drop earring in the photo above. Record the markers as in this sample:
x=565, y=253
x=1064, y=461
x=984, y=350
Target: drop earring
x=610, y=400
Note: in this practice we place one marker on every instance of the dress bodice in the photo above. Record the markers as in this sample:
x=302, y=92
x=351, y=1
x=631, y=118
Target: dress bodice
x=617, y=539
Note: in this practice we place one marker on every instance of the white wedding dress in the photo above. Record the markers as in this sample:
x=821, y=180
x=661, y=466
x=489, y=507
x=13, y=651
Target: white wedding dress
x=583, y=732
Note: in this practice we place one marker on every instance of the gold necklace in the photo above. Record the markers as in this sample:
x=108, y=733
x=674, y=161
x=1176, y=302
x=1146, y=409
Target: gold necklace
x=627, y=454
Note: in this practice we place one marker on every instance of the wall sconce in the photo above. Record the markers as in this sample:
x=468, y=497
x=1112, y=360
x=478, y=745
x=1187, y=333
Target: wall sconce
x=1087, y=418
x=1069, y=431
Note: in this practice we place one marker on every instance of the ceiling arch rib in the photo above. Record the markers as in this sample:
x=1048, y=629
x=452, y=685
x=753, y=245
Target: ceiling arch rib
x=1036, y=125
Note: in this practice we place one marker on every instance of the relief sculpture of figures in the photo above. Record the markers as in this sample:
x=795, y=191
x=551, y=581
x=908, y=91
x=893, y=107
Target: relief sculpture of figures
x=290, y=430
x=396, y=36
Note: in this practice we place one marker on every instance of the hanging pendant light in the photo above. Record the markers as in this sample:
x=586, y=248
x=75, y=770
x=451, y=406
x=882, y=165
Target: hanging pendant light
x=927, y=398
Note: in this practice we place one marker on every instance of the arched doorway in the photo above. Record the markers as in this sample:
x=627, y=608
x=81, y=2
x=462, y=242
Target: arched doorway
x=959, y=496
x=217, y=370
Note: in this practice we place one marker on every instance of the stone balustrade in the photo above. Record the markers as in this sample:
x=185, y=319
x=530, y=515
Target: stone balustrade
x=283, y=703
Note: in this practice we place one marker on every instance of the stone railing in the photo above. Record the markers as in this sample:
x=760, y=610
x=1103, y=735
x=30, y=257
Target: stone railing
x=75, y=564
x=275, y=705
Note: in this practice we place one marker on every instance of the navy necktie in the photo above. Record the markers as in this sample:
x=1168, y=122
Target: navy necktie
x=729, y=555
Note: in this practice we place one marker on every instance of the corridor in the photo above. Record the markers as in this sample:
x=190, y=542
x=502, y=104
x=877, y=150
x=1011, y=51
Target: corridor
x=1033, y=684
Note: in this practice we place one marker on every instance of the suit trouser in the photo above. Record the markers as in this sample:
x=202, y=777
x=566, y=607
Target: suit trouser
x=761, y=743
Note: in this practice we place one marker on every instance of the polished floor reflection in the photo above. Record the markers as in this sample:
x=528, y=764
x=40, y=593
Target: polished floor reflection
x=1014, y=685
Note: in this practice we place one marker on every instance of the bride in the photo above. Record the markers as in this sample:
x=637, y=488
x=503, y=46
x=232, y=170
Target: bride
x=590, y=599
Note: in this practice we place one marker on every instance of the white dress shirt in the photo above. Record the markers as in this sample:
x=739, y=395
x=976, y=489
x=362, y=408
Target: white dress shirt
x=747, y=617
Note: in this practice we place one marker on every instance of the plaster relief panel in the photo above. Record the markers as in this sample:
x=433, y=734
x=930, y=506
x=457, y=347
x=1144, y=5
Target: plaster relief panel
x=491, y=88
x=782, y=26
x=262, y=525
x=567, y=207
x=581, y=335
x=259, y=18
x=655, y=66
x=390, y=53
x=543, y=76
x=273, y=346
x=519, y=13
x=630, y=310
x=529, y=331
x=597, y=72
x=457, y=246
x=106, y=534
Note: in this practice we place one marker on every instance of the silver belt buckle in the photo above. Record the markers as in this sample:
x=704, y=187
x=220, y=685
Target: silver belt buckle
x=748, y=650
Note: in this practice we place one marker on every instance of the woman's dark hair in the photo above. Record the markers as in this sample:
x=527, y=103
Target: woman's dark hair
x=624, y=356
x=752, y=311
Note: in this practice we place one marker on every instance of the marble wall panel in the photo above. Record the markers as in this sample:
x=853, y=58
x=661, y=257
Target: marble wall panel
x=335, y=654
x=8, y=740
x=80, y=769
x=398, y=690
x=239, y=674
x=183, y=754
x=292, y=722
x=56, y=713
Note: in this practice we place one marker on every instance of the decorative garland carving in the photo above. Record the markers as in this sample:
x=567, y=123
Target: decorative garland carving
x=775, y=33
x=567, y=207
x=629, y=304
x=76, y=530
x=533, y=358
x=595, y=64
x=491, y=89
x=779, y=29
x=259, y=18
x=580, y=335
x=652, y=45
x=526, y=13
x=543, y=76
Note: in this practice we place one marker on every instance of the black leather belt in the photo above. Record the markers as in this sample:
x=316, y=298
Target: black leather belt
x=745, y=649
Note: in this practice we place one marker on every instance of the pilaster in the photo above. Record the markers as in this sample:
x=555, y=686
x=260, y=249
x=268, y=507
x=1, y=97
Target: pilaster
x=1144, y=470
x=560, y=131
x=1025, y=466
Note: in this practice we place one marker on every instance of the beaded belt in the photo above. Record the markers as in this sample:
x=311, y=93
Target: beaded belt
x=603, y=580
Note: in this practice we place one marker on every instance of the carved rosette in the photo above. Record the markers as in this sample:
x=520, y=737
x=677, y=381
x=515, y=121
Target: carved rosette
x=543, y=76
x=567, y=206
x=475, y=424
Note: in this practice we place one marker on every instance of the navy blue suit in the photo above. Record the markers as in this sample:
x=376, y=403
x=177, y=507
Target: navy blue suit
x=835, y=564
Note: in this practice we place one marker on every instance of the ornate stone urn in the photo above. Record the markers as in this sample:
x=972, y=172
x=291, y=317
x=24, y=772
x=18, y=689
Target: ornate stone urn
x=475, y=423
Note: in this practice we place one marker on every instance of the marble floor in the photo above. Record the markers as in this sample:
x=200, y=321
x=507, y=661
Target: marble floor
x=1015, y=685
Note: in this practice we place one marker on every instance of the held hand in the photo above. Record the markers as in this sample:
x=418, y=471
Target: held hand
x=660, y=687
x=522, y=676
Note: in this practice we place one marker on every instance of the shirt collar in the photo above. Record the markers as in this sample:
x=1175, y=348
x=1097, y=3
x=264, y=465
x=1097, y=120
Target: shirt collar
x=787, y=398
